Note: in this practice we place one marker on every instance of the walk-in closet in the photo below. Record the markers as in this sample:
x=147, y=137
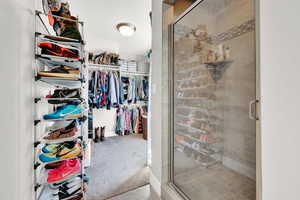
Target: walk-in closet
x=91, y=99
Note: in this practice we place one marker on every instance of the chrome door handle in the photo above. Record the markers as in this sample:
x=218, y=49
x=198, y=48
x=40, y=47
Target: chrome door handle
x=252, y=112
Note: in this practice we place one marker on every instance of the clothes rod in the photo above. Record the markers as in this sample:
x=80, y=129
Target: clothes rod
x=134, y=73
x=114, y=68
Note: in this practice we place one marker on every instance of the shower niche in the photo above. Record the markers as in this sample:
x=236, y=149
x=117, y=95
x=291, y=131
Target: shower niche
x=213, y=85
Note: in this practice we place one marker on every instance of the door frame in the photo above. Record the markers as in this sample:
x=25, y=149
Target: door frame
x=171, y=183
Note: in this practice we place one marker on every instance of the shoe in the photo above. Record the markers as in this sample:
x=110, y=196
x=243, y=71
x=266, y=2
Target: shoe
x=53, y=165
x=61, y=72
x=97, y=135
x=79, y=197
x=59, y=125
x=66, y=112
x=59, y=50
x=49, y=194
x=62, y=153
x=67, y=193
x=66, y=170
x=61, y=134
x=66, y=184
x=65, y=93
x=102, y=137
x=52, y=148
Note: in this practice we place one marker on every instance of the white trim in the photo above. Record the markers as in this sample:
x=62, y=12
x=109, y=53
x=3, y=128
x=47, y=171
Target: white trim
x=154, y=182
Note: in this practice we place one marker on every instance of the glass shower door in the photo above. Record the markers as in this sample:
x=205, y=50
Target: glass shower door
x=214, y=91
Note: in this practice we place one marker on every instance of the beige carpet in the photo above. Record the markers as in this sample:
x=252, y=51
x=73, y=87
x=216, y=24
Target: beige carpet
x=118, y=165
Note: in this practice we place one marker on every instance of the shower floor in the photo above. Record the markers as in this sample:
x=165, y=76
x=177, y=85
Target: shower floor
x=215, y=183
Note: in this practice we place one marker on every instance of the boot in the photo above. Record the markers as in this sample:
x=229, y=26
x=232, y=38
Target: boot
x=102, y=137
x=97, y=135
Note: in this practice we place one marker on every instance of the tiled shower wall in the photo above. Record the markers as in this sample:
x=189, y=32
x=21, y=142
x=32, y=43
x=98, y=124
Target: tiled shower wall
x=221, y=106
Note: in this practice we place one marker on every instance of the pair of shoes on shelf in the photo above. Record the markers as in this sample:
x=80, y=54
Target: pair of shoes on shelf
x=59, y=50
x=66, y=124
x=62, y=27
x=66, y=132
x=66, y=112
x=63, y=94
x=61, y=72
x=99, y=134
x=61, y=134
x=104, y=58
x=67, y=169
x=58, y=152
x=69, y=189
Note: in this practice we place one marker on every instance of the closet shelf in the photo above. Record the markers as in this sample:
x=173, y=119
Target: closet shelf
x=44, y=181
x=37, y=12
x=62, y=60
x=59, y=39
x=54, y=120
x=58, y=141
x=40, y=163
x=52, y=63
x=61, y=82
x=43, y=99
x=115, y=68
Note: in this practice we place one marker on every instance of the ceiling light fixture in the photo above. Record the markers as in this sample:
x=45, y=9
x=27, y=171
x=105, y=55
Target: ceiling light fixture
x=126, y=29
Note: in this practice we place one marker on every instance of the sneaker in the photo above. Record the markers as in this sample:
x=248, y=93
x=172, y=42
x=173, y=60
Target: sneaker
x=65, y=93
x=61, y=134
x=62, y=153
x=61, y=72
x=49, y=194
x=59, y=50
x=52, y=148
x=66, y=112
x=65, y=193
x=66, y=170
x=59, y=125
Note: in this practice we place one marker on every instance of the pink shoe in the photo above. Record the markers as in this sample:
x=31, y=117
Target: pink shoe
x=67, y=169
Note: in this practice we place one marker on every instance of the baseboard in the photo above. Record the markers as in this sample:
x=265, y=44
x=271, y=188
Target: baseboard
x=240, y=168
x=154, y=182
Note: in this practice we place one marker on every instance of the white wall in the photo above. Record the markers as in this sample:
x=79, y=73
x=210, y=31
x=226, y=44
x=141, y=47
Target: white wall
x=107, y=118
x=280, y=84
x=156, y=95
x=16, y=120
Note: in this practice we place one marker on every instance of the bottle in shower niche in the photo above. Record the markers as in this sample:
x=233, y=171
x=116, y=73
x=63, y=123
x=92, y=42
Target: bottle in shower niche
x=220, y=52
x=226, y=53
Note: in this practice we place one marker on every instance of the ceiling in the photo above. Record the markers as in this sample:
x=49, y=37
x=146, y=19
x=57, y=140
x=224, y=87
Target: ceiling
x=101, y=18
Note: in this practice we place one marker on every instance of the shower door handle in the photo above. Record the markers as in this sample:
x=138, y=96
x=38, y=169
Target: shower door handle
x=252, y=110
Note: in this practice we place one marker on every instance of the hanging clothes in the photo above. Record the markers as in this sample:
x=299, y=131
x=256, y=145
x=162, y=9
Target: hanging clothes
x=129, y=120
x=104, y=90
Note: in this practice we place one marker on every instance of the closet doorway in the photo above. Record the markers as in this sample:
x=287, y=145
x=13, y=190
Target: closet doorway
x=118, y=47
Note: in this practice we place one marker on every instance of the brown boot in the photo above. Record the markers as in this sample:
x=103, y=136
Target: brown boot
x=97, y=135
x=102, y=137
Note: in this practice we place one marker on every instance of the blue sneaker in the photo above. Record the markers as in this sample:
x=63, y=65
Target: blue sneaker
x=66, y=112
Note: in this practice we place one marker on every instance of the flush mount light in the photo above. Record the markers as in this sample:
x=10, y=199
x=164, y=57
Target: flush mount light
x=126, y=29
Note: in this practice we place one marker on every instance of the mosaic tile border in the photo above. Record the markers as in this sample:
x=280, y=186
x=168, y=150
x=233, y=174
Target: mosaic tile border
x=236, y=31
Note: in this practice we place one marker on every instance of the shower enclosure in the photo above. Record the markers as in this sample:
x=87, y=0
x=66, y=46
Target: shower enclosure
x=213, y=112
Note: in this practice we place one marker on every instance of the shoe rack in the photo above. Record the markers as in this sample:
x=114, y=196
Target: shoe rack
x=45, y=85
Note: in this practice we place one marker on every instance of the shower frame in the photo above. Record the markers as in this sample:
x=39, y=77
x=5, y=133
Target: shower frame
x=256, y=102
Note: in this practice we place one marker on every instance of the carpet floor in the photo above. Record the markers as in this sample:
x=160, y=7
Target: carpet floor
x=118, y=165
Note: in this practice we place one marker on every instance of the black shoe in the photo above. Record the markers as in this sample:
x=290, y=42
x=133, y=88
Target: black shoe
x=66, y=93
